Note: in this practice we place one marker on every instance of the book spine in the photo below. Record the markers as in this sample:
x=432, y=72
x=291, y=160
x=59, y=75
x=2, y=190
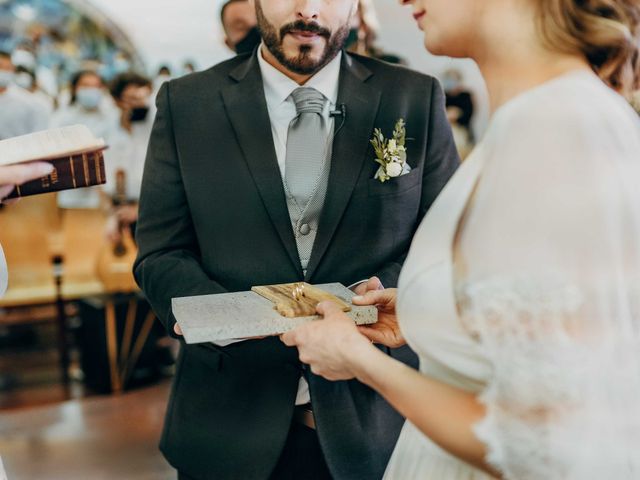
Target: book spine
x=75, y=171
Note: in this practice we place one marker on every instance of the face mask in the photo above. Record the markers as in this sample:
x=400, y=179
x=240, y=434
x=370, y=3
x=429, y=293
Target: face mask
x=121, y=66
x=23, y=80
x=89, y=97
x=6, y=78
x=139, y=114
x=248, y=44
x=22, y=58
x=449, y=84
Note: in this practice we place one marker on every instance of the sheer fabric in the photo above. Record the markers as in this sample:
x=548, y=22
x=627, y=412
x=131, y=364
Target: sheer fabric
x=538, y=253
x=549, y=263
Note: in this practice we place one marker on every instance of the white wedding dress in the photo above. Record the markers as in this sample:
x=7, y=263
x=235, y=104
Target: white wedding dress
x=521, y=286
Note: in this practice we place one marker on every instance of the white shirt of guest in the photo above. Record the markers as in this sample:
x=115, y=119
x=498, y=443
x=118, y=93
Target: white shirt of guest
x=21, y=113
x=104, y=123
x=282, y=110
x=128, y=152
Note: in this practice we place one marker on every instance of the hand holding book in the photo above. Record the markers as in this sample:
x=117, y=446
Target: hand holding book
x=13, y=175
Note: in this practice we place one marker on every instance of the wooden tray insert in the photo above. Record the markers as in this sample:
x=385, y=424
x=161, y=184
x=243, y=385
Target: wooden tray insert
x=297, y=299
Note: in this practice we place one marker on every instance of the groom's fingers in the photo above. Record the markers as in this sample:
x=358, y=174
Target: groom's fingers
x=289, y=338
x=328, y=308
x=177, y=329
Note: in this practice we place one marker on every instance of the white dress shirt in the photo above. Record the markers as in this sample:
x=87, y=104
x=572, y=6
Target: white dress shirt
x=282, y=110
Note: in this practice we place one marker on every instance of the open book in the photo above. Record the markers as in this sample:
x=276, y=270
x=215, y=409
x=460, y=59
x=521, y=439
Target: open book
x=75, y=153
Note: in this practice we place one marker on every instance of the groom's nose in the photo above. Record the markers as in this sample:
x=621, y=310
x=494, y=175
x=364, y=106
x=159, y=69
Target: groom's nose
x=307, y=10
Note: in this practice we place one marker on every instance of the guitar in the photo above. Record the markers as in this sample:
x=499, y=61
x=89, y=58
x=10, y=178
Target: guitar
x=115, y=262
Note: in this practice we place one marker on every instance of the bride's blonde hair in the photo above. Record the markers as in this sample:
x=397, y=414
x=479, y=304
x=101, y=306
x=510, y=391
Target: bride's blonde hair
x=607, y=32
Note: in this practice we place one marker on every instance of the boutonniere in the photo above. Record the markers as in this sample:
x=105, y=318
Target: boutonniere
x=391, y=153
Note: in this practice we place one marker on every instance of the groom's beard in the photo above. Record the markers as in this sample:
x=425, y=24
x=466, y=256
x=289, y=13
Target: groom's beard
x=302, y=63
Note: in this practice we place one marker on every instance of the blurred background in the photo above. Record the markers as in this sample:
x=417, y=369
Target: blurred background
x=85, y=367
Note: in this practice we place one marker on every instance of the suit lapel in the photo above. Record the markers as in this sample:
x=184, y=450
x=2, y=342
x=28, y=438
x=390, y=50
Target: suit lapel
x=349, y=150
x=246, y=108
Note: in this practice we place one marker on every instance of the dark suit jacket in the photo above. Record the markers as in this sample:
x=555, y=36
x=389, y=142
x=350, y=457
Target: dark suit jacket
x=213, y=218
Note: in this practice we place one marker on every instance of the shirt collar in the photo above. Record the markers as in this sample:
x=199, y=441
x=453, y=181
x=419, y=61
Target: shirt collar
x=278, y=86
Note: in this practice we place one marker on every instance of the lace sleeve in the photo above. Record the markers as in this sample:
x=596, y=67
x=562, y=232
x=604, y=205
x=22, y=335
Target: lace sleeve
x=548, y=261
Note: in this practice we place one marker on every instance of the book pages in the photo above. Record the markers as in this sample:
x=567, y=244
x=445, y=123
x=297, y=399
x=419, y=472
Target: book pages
x=48, y=144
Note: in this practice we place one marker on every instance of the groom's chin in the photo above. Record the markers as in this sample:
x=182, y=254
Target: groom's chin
x=309, y=55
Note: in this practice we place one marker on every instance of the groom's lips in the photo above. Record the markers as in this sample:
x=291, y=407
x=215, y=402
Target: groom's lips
x=305, y=36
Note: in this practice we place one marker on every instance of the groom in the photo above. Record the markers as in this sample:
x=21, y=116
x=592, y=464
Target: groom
x=260, y=171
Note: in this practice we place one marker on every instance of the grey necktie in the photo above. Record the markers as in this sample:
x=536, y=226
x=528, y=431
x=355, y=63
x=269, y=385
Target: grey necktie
x=305, y=167
x=306, y=145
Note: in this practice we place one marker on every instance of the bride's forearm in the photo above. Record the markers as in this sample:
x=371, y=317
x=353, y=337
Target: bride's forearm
x=443, y=413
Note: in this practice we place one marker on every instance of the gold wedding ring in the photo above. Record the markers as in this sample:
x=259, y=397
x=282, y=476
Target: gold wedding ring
x=298, y=291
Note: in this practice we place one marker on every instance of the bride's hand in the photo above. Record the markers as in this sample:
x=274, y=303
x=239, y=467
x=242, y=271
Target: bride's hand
x=386, y=331
x=332, y=347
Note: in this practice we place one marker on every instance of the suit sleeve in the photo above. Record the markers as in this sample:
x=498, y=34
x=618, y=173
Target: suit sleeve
x=440, y=164
x=168, y=263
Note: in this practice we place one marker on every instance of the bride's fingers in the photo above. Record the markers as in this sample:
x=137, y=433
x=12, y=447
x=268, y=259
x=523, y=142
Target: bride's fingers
x=372, y=334
x=374, y=297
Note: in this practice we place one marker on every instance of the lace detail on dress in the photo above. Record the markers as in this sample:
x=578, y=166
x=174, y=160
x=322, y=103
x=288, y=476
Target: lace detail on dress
x=546, y=361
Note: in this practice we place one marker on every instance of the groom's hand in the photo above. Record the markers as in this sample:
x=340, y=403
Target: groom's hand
x=372, y=284
x=177, y=329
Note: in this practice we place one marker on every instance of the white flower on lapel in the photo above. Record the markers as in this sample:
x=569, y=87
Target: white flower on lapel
x=393, y=169
x=391, y=153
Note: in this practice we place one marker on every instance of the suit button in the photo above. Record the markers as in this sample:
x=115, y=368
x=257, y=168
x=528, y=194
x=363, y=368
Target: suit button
x=305, y=229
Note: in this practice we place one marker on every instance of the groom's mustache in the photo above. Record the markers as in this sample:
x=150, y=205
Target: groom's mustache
x=300, y=26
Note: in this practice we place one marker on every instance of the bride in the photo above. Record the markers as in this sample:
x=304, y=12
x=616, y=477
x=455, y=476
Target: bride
x=521, y=293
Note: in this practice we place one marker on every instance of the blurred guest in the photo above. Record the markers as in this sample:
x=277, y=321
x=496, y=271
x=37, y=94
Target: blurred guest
x=23, y=56
x=121, y=63
x=238, y=18
x=164, y=71
x=460, y=111
x=19, y=113
x=363, y=33
x=164, y=75
x=27, y=80
x=188, y=67
x=132, y=94
x=90, y=106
